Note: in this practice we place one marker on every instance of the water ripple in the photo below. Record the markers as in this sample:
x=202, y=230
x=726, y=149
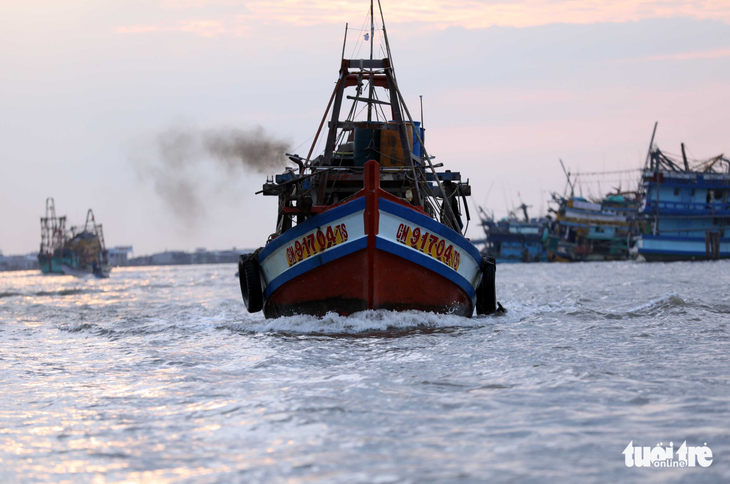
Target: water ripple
x=160, y=375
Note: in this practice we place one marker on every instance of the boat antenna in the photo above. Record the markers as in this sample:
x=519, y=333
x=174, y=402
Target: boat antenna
x=372, y=29
x=421, y=98
x=344, y=42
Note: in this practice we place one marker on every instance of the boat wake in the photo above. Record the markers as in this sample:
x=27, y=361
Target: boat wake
x=365, y=322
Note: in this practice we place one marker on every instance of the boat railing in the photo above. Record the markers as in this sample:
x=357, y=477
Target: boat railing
x=687, y=207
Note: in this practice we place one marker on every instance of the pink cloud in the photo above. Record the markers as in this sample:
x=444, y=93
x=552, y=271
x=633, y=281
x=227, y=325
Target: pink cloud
x=428, y=13
x=203, y=28
x=481, y=14
x=706, y=54
x=137, y=29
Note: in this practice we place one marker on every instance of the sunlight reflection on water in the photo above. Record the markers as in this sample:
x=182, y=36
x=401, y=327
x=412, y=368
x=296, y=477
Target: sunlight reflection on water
x=159, y=375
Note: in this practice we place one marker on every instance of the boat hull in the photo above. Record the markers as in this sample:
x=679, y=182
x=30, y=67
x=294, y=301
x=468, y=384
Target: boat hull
x=571, y=252
x=668, y=248
x=52, y=264
x=373, y=252
x=102, y=273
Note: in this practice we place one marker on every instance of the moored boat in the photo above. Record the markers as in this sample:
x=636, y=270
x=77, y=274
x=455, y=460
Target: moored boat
x=586, y=230
x=369, y=223
x=591, y=230
x=513, y=239
x=685, y=207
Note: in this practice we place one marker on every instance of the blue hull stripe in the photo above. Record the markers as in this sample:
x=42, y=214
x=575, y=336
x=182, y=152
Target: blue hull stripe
x=313, y=262
x=311, y=224
x=681, y=238
x=432, y=225
x=689, y=253
x=427, y=262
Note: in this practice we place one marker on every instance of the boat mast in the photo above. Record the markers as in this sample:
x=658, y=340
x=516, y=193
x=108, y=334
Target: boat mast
x=567, y=176
x=450, y=216
x=372, y=80
x=649, y=161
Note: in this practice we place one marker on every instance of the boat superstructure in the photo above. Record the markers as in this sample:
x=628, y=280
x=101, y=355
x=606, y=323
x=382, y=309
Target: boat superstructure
x=585, y=230
x=78, y=251
x=51, y=255
x=591, y=230
x=369, y=223
x=684, y=207
x=514, y=238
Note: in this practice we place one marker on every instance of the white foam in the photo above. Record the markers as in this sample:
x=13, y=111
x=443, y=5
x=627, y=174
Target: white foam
x=668, y=300
x=361, y=322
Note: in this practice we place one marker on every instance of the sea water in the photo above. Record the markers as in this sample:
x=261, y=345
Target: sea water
x=160, y=375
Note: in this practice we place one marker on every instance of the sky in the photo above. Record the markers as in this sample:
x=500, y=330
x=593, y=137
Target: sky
x=509, y=88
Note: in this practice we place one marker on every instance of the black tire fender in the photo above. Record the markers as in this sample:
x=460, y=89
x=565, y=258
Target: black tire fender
x=250, y=281
x=487, y=290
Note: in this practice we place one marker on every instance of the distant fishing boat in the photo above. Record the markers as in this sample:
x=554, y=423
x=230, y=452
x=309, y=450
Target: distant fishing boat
x=513, y=239
x=585, y=230
x=78, y=251
x=684, y=207
x=369, y=223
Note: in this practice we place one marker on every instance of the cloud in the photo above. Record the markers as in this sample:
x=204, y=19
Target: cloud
x=202, y=28
x=429, y=14
x=137, y=29
x=704, y=54
x=486, y=13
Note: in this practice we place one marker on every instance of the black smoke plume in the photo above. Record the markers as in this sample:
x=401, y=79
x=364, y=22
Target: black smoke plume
x=189, y=167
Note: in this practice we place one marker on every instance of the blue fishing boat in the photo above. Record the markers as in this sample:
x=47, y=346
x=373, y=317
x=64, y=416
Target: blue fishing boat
x=585, y=230
x=514, y=239
x=685, y=207
x=591, y=230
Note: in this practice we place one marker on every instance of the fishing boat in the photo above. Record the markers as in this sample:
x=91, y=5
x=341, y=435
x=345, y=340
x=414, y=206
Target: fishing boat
x=585, y=230
x=78, y=251
x=514, y=239
x=368, y=223
x=685, y=207
x=591, y=230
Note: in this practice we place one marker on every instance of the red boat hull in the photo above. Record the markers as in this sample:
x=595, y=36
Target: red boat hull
x=382, y=254
x=342, y=287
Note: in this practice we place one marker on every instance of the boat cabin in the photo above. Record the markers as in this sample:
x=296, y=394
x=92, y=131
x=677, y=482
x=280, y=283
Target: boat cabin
x=377, y=126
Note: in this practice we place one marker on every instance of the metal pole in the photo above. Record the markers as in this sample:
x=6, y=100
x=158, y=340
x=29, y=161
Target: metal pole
x=321, y=124
x=372, y=80
x=449, y=211
x=651, y=143
x=421, y=98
